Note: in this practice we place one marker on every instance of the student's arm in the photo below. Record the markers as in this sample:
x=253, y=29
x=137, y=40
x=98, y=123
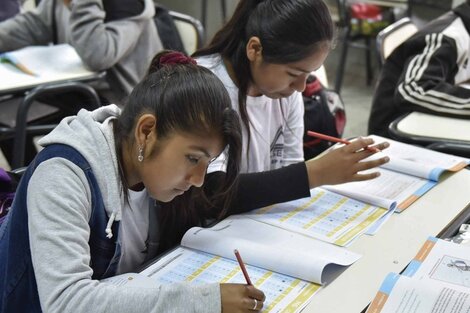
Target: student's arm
x=256, y=190
x=427, y=82
x=293, y=134
x=58, y=211
x=102, y=44
x=29, y=28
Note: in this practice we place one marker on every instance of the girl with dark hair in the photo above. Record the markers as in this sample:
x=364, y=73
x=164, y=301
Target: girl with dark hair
x=84, y=209
x=263, y=55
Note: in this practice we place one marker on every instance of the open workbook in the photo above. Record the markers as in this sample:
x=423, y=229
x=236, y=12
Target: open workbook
x=35, y=65
x=437, y=280
x=288, y=267
x=339, y=214
x=411, y=172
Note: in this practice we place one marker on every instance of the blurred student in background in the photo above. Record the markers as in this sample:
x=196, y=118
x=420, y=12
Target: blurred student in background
x=426, y=73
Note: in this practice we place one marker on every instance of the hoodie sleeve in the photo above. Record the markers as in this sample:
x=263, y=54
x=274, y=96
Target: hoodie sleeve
x=59, y=209
x=101, y=45
x=428, y=80
x=29, y=28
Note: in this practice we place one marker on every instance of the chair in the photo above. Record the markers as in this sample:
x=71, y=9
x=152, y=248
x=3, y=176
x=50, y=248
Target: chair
x=392, y=36
x=190, y=30
x=362, y=37
x=22, y=128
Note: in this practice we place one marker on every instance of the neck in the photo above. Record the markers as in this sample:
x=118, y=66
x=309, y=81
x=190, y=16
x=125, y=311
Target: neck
x=251, y=91
x=128, y=166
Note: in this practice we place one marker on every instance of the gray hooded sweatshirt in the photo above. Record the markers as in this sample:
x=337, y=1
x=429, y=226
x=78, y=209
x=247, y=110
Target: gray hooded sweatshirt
x=59, y=207
x=123, y=48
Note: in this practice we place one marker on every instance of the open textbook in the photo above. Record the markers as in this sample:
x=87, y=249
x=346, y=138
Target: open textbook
x=288, y=267
x=325, y=215
x=34, y=65
x=437, y=280
x=411, y=172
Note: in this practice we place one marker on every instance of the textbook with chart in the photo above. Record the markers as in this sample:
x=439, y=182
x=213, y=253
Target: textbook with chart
x=288, y=267
x=437, y=280
x=339, y=214
x=411, y=172
x=35, y=65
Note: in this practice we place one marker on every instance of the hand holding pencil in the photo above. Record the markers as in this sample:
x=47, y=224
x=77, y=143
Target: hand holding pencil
x=345, y=164
x=241, y=298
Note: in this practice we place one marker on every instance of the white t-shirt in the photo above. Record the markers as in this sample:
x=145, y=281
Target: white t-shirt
x=133, y=232
x=276, y=126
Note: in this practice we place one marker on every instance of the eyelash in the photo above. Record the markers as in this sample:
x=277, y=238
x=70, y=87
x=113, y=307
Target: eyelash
x=192, y=159
x=293, y=75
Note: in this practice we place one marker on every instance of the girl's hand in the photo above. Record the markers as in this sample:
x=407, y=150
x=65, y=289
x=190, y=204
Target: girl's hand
x=343, y=164
x=241, y=298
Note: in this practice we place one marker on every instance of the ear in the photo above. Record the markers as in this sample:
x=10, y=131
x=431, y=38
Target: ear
x=145, y=130
x=254, y=49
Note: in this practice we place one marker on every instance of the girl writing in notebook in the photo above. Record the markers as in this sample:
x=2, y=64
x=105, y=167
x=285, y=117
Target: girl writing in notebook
x=84, y=209
x=263, y=55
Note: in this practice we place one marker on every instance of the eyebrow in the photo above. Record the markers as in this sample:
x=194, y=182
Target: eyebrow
x=304, y=71
x=201, y=149
x=300, y=70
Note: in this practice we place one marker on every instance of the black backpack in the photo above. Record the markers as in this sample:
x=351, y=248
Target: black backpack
x=167, y=30
x=324, y=113
x=8, y=183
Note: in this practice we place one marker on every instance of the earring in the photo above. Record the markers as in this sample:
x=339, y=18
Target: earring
x=140, y=157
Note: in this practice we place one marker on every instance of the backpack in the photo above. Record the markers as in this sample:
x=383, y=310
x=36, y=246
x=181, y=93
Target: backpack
x=324, y=113
x=167, y=31
x=8, y=183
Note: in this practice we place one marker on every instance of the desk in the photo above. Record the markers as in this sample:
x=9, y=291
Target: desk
x=393, y=246
x=52, y=64
x=430, y=128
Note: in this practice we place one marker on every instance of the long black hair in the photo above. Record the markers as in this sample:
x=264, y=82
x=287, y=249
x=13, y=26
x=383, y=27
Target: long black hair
x=289, y=31
x=185, y=98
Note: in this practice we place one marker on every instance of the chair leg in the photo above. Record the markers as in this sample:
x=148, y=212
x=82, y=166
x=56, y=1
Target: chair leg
x=223, y=6
x=369, y=73
x=342, y=60
x=204, y=13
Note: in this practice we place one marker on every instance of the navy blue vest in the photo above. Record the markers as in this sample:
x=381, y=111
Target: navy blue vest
x=18, y=289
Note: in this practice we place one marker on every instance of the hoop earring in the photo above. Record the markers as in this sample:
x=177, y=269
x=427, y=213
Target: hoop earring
x=140, y=157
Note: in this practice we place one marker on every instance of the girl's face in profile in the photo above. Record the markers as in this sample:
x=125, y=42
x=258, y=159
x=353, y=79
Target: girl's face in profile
x=180, y=162
x=282, y=80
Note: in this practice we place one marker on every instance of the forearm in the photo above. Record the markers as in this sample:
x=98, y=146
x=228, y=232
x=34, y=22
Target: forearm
x=256, y=190
x=101, y=45
x=30, y=28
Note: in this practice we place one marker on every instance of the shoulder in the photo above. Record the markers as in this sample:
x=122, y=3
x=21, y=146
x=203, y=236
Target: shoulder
x=59, y=181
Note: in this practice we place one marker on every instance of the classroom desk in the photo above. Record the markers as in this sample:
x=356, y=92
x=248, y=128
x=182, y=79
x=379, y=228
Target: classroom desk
x=394, y=245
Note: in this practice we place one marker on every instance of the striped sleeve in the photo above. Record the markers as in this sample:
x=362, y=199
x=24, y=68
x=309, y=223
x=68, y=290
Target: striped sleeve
x=428, y=84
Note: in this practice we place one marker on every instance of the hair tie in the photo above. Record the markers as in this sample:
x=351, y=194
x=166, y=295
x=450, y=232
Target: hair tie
x=176, y=57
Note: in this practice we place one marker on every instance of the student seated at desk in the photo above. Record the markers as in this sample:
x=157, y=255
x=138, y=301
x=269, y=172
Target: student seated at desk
x=264, y=55
x=89, y=210
x=425, y=73
x=118, y=37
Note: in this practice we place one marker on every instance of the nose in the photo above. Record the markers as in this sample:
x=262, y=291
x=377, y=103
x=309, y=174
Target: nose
x=300, y=83
x=196, y=177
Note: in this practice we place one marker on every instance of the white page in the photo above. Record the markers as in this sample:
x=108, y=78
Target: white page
x=401, y=294
x=389, y=188
x=325, y=215
x=442, y=261
x=423, y=159
x=269, y=247
x=283, y=293
x=49, y=63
